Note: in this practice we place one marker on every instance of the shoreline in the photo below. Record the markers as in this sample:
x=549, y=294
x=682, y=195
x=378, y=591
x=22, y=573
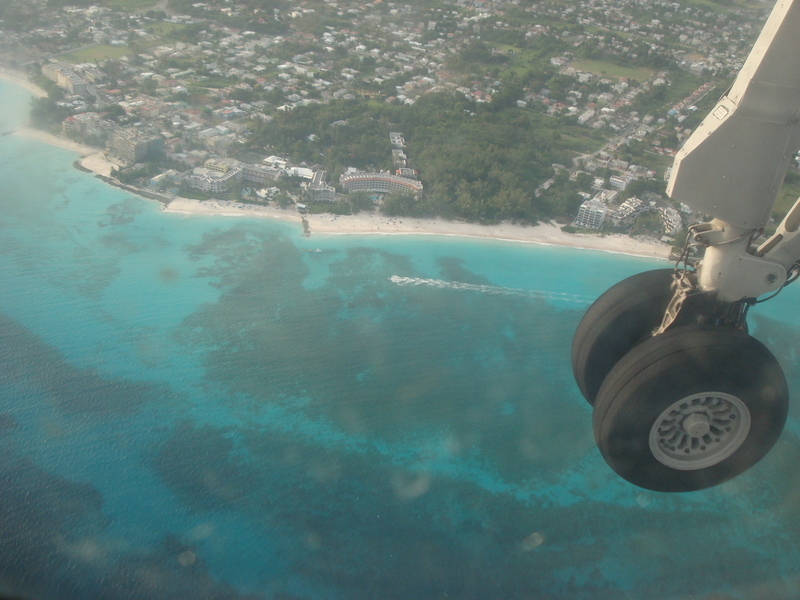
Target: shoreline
x=545, y=234
x=90, y=160
x=21, y=79
x=95, y=161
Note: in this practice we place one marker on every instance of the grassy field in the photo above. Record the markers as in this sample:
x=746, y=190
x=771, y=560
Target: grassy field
x=579, y=140
x=520, y=60
x=718, y=7
x=582, y=144
x=607, y=69
x=163, y=28
x=95, y=53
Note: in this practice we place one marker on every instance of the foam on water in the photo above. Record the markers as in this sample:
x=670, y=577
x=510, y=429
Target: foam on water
x=491, y=289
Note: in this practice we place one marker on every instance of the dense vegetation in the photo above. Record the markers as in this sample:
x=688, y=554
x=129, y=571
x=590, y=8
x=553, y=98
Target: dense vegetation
x=481, y=163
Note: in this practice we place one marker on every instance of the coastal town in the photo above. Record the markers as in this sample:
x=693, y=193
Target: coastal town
x=191, y=100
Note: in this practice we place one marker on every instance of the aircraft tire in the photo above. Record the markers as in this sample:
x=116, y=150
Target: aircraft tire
x=690, y=408
x=619, y=319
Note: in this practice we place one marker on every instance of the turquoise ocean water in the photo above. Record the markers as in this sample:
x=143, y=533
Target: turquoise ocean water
x=194, y=407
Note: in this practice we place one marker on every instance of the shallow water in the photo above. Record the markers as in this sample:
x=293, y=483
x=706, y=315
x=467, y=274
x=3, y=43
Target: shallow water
x=193, y=407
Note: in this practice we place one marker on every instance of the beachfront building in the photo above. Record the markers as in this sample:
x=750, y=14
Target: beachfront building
x=65, y=78
x=382, y=183
x=261, y=173
x=214, y=182
x=628, y=210
x=221, y=165
x=670, y=219
x=133, y=145
x=591, y=214
x=319, y=191
x=80, y=123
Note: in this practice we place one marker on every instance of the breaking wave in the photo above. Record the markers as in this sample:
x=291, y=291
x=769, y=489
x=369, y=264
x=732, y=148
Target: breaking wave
x=490, y=289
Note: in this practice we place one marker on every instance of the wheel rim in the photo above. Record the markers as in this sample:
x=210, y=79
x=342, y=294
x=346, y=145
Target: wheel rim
x=699, y=431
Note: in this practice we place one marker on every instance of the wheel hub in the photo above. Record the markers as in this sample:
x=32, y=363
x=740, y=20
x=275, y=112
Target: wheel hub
x=699, y=431
x=696, y=425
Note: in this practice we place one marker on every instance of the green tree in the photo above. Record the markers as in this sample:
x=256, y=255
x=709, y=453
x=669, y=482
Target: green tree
x=360, y=201
x=648, y=223
x=46, y=114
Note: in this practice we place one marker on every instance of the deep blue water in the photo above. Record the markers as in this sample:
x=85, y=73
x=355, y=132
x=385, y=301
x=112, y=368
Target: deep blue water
x=193, y=407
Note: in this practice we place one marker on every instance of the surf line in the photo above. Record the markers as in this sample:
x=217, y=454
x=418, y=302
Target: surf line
x=490, y=289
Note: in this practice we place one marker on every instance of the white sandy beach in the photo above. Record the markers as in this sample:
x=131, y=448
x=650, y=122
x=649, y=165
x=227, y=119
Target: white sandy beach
x=54, y=140
x=97, y=162
x=365, y=224
x=21, y=79
x=91, y=159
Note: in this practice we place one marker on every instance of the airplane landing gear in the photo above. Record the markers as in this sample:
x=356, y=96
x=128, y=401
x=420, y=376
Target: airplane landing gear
x=683, y=397
x=686, y=409
x=690, y=408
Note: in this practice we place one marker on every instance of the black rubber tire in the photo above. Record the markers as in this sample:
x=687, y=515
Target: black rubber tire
x=622, y=317
x=682, y=362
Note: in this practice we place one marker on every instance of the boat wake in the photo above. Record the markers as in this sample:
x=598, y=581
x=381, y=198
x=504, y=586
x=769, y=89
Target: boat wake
x=490, y=289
